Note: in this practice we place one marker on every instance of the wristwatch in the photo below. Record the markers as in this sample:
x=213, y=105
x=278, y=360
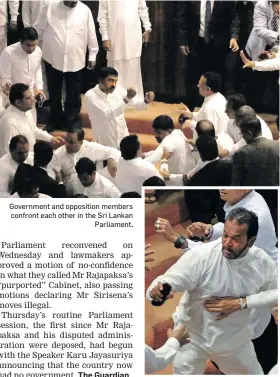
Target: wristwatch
x=243, y=305
x=180, y=241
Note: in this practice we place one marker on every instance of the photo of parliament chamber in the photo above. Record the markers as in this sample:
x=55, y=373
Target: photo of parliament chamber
x=125, y=94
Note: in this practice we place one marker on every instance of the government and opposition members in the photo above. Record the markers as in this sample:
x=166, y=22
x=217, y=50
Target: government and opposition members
x=229, y=139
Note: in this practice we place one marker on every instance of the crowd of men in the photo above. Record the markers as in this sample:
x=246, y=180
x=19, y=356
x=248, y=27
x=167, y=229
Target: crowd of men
x=229, y=139
x=228, y=274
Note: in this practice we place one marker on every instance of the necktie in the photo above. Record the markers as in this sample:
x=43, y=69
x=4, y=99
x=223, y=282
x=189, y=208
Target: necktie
x=275, y=20
x=207, y=35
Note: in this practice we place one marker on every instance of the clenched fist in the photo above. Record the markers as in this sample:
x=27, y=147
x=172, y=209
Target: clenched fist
x=199, y=229
x=131, y=93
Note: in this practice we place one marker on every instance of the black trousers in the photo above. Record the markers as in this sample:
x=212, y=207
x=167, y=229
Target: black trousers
x=72, y=106
x=204, y=57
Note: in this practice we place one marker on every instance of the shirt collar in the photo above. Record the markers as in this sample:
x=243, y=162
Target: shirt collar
x=17, y=111
x=76, y=153
x=100, y=93
x=95, y=183
x=12, y=161
x=68, y=8
x=207, y=99
x=228, y=207
x=204, y=163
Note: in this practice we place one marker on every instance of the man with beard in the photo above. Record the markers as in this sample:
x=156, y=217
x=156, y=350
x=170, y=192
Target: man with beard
x=264, y=327
x=230, y=266
x=105, y=104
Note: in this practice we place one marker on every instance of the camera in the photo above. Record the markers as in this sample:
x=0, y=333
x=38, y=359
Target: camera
x=39, y=98
x=182, y=118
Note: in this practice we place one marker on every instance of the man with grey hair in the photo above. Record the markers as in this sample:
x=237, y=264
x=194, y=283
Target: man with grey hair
x=229, y=266
x=246, y=112
x=257, y=163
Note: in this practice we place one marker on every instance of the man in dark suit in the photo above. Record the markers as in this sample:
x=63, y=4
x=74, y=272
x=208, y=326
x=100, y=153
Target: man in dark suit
x=240, y=77
x=257, y=163
x=215, y=172
x=43, y=154
x=208, y=30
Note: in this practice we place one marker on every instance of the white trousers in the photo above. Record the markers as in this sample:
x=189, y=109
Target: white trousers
x=3, y=37
x=129, y=74
x=190, y=359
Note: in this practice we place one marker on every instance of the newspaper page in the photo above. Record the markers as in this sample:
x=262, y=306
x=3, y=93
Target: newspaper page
x=71, y=287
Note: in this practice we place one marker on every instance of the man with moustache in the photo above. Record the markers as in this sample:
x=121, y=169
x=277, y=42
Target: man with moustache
x=105, y=104
x=230, y=266
x=264, y=327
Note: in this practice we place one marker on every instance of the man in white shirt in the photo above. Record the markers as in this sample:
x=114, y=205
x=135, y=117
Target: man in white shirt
x=67, y=30
x=230, y=266
x=213, y=107
x=237, y=111
x=234, y=103
x=132, y=170
x=18, y=153
x=18, y=120
x=266, y=240
x=202, y=128
x=183, y=158
x=121, y=31
x=66, y=157
x=90, y=183
x=13, y=5
x=158, y=359
x=3, y=103
x=31, y=11
x=249, y=199
x=21, y=63
x=105, y=104
x=207, y=30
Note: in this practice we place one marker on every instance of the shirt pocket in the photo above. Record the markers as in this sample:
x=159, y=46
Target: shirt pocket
x=79, y=29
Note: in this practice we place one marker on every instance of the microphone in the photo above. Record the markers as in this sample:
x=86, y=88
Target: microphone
x=166, y=290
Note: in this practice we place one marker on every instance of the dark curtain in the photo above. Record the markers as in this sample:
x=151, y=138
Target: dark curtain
x=163, y=66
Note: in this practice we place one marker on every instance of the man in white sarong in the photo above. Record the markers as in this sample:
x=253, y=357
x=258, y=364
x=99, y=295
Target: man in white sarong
x=120, y=28
x=229, y=266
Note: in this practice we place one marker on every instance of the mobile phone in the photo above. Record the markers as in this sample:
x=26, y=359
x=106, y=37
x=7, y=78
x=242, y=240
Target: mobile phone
x=165, y=292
